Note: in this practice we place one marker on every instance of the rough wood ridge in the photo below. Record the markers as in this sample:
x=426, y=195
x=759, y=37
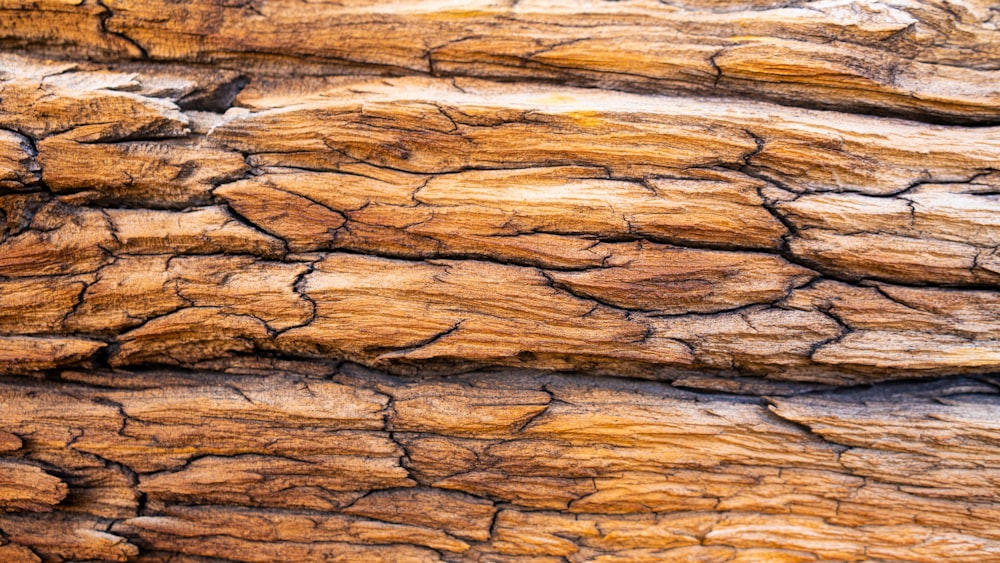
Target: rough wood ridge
x=250, y=253
x=416, y=223
x=931, y=59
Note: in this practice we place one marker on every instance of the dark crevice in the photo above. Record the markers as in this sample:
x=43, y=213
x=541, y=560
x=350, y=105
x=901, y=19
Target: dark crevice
x=243, y=220
x=845, y=329
x=103, y=24
x=404, y=351
x=216, y=100
x=527, y=423
x=299, y=285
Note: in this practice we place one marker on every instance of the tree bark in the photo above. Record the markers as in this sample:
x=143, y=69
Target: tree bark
x=499, y=281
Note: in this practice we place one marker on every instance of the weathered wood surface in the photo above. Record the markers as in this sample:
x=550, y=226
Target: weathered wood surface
x=350, y=465
x=932, y=59
x=414, y=224
x=250, y=252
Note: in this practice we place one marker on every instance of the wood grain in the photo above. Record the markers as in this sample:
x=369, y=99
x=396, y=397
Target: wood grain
x=525, y=281
x=926, y=59
x=646, y=237
x=358, y=465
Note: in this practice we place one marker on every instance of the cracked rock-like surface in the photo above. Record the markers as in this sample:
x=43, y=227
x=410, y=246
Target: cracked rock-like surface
x=344, y=464
x=521, y=281
x=416, y=225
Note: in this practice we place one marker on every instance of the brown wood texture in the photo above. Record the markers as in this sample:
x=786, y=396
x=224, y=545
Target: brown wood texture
x=350, y=465
x=512, y=281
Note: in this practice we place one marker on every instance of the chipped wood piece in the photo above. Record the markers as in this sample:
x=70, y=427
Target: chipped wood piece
x=9, y=442
x=66, y=537
x=64, y=240
x=505, y=213
x=458, y=514
x=38, y=106
x=146, y=174
x=28, y=355
x=25, y=487
x=672, y=281
x=18, y=168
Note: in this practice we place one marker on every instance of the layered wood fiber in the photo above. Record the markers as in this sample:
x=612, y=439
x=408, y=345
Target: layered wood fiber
x=499, y=281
